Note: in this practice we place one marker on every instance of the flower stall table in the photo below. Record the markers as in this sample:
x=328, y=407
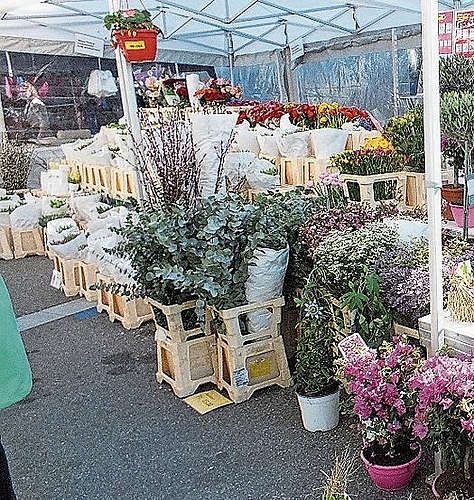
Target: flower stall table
x=459, y=336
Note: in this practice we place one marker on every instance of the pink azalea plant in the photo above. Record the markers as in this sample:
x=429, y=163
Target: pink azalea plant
x=378, y=380
x=445, y=410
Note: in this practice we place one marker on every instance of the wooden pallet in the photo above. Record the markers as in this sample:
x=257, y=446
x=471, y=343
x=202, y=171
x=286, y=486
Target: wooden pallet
x=27, y=242
x=170, y=324
x=233, y=333
x=186, y=365
x=6, y=243
x=70, y=278
x=130, y=313
x=243, y=370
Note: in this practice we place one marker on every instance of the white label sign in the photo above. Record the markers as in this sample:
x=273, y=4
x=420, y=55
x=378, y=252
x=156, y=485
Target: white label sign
x=56, y=279
x=296, y=49
x=89, y=45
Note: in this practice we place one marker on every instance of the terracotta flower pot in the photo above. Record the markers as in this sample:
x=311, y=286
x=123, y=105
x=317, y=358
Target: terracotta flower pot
x=452, y=195
x=136, y=45
x=391, y=477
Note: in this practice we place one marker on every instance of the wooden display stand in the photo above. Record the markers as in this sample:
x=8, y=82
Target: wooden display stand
x=131, y=313
x=87, y=277
x=27, y=242
x=299, y=171
x=405, y=330
x=243, y=370
x=366, y=185
x=70, y=278
x=186, y=365
x=6, y=243
x=232, y=319
x=176, y=329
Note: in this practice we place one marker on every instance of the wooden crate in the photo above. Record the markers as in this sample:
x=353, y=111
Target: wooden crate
x=243, y=370
x=232, y=320
x=170, y=324
x=291, y=171
x=87, y=277
x=70, y=279
x=122, y=183
x=366, y=185
x=405, y=330
x=186, y=365
x=131, y=313
x=6, y=243
x=89, y=181
x=103, y=179
x=313, y=167
x=415, y=193
x=27, y=242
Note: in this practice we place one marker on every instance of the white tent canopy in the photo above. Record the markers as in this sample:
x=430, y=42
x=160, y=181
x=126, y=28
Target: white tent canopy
x=207, y=31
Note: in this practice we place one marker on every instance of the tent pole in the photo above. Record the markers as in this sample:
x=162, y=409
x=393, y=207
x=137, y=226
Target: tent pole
x=3, y=128
x=129, y=100
x=432, y=160
x=230, y=51
x=396, y=108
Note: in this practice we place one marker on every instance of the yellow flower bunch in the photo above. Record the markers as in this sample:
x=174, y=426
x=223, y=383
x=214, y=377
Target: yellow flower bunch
x=74, y=177
x=378, y=143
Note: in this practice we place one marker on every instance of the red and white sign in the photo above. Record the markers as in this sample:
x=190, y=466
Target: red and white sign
x=464, y=33
x=446, y=32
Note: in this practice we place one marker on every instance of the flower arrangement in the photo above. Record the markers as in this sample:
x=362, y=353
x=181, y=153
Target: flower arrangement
x=334, y=115
x=267, y=114
x=406, y=135
x=385, y=402
x=130, y=19
x=445, y=410
x=219, y=90
x=376, y=157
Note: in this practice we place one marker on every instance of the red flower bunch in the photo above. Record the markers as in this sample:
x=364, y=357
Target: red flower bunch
x=267, y=114
x=219, y=89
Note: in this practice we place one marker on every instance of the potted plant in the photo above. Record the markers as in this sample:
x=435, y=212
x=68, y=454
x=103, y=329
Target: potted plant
x=444, y=416
x=453, y=193
x=316, y=387
x=134, y=32
x=457, y=122
x=378, y=380
x=74, y=180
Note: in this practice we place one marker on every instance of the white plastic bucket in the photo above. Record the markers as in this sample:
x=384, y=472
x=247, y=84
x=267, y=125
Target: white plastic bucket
x=319, y=413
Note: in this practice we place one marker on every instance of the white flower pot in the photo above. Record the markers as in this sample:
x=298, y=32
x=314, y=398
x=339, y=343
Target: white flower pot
x=319, y=413
x=73, y=187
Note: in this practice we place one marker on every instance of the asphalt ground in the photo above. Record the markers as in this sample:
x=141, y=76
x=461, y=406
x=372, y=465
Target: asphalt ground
x=97, y=425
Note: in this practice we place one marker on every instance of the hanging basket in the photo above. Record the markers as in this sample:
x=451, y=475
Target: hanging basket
x=138, y=45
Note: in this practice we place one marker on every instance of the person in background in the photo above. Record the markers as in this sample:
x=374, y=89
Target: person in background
x=15, y=376
x=35, y=111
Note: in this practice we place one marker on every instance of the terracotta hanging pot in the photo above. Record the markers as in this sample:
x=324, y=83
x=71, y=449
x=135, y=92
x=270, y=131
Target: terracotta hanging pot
x=138, y=45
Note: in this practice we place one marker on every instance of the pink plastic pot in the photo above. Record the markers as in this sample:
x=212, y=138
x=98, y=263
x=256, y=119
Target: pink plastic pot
x=391, y=478
x=458, y=214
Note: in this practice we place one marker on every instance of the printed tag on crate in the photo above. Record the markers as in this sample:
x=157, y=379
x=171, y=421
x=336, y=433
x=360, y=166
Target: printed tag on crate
x=260, y=368
x=56, y=279
x=241, y=377
x=353, y=344
x=207, y=401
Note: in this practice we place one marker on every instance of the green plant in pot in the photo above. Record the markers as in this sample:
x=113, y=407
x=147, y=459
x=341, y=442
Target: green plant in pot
x=457, y=122
x=316, y=387
x=453, y=155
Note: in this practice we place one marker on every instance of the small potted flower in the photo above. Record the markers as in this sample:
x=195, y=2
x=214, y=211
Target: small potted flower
x=444, y=416
x=134, y=33
x=378, y=380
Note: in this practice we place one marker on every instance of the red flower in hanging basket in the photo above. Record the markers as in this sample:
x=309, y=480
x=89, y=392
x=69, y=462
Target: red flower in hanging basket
x=134, y=33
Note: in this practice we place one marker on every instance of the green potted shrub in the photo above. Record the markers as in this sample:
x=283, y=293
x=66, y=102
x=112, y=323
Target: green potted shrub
x=316, y=387
x=457, y=122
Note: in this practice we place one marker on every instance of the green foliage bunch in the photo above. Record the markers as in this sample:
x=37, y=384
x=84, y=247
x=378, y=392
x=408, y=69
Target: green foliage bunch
x=199, y=253
x=456, y=74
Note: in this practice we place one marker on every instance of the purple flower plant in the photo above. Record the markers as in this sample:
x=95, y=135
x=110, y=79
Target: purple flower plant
x=378, y=379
